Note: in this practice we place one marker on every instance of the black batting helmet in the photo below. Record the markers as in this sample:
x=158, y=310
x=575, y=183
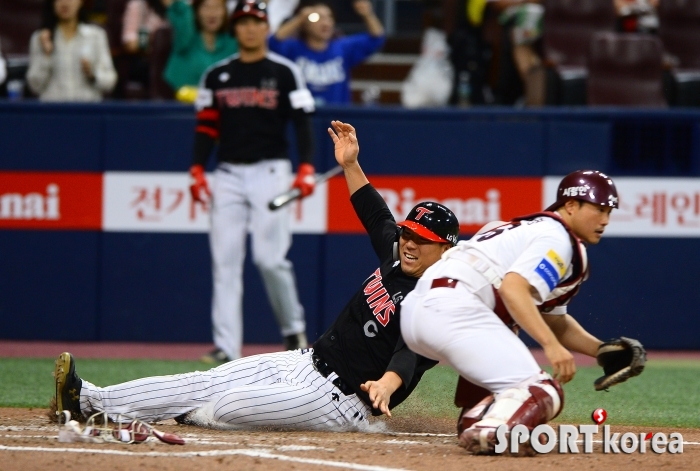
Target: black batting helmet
x=256, y=8
x=586, y=185
x=433, y=221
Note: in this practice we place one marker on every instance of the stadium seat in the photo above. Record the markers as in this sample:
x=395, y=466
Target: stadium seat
x=18, y=20
x=679, y=29
x=625, y=69
x=115, y=23
x=122, y=60
x=568, y=28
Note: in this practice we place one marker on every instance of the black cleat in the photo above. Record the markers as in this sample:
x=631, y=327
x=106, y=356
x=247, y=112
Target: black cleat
x=295, y=341
x=185, y=419
x=215, y=356
x=68, y=385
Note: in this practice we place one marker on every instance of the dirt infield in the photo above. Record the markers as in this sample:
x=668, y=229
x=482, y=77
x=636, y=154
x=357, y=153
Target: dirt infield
x=30, y=442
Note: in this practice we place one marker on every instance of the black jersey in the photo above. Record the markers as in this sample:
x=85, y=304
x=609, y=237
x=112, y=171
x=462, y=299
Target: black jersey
x=247, y=106
x=365, y=340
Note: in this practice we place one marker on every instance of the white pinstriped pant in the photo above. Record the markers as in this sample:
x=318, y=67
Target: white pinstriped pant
x=279, y=389
x=239, y=203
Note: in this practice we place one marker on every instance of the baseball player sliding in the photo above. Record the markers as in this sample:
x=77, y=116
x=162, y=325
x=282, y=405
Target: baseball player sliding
x=245, y=102
x=359, y=366
x=522, y=272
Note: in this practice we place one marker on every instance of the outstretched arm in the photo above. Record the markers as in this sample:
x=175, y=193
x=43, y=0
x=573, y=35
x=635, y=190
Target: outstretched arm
x=572, y=335
x=516, y=294
x=346, y=151
x=380, y=391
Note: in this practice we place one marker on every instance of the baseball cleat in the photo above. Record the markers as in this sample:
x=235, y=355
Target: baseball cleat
x=215, y=356
x=68, y=385
x=185, y=419
x=482, y=441
x=295, y=341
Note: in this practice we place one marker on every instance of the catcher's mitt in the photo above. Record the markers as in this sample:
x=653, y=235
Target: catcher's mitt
x=621, y=359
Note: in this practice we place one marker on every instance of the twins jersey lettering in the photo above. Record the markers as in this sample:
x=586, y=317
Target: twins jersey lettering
x=378, y=299
x=248, y=97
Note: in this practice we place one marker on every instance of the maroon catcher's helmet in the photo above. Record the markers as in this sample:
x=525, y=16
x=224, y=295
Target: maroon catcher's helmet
x=256, y=8
x=586, y=185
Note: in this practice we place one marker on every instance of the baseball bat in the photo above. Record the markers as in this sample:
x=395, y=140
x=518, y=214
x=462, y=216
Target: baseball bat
x=293, y=194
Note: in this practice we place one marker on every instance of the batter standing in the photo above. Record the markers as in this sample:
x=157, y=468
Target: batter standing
x=359, y=366
x=529, y=268
x=245, y=102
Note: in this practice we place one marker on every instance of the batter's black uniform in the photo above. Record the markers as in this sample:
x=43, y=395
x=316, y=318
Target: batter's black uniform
x=247, y=106
x=365, y=340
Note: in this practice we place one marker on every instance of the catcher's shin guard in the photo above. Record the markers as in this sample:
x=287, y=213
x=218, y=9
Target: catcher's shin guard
x=469, y=417
x=536, y=404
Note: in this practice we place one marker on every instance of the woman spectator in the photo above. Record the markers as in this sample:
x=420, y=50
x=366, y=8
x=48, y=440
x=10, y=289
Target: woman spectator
x=141, y=19
x=200, y=38
x=139, y=22
x=69, y=60
x=324, y=61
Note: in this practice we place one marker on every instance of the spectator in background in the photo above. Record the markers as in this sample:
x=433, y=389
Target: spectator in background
x=637, y=16
x=3, y=69
x=326, y=62
x=469, y=52
x=141, y=19
x=200, y=38
x=69, y=60
x=523, y=20
x=520, y=66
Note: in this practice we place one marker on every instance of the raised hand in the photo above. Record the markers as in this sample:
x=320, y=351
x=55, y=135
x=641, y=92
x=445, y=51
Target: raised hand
x=87, y=69
x=305, y=12
x=362, y=7
x=46, y=41
x=346, y=146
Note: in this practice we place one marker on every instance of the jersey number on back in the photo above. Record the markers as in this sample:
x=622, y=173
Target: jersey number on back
x=497, y=231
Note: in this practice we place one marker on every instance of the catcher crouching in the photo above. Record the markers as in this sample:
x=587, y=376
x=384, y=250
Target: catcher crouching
x=513, y=275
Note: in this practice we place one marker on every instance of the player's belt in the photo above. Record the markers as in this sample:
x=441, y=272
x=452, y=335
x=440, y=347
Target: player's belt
x=443, y=283
x=324, y=369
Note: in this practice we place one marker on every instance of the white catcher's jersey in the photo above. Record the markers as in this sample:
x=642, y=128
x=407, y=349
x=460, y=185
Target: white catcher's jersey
x=539, y=250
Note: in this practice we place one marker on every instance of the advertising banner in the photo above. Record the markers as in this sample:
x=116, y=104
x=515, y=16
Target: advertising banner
x=649, y=207
x=161, y=202
x=51, y=200
x=475, y=201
